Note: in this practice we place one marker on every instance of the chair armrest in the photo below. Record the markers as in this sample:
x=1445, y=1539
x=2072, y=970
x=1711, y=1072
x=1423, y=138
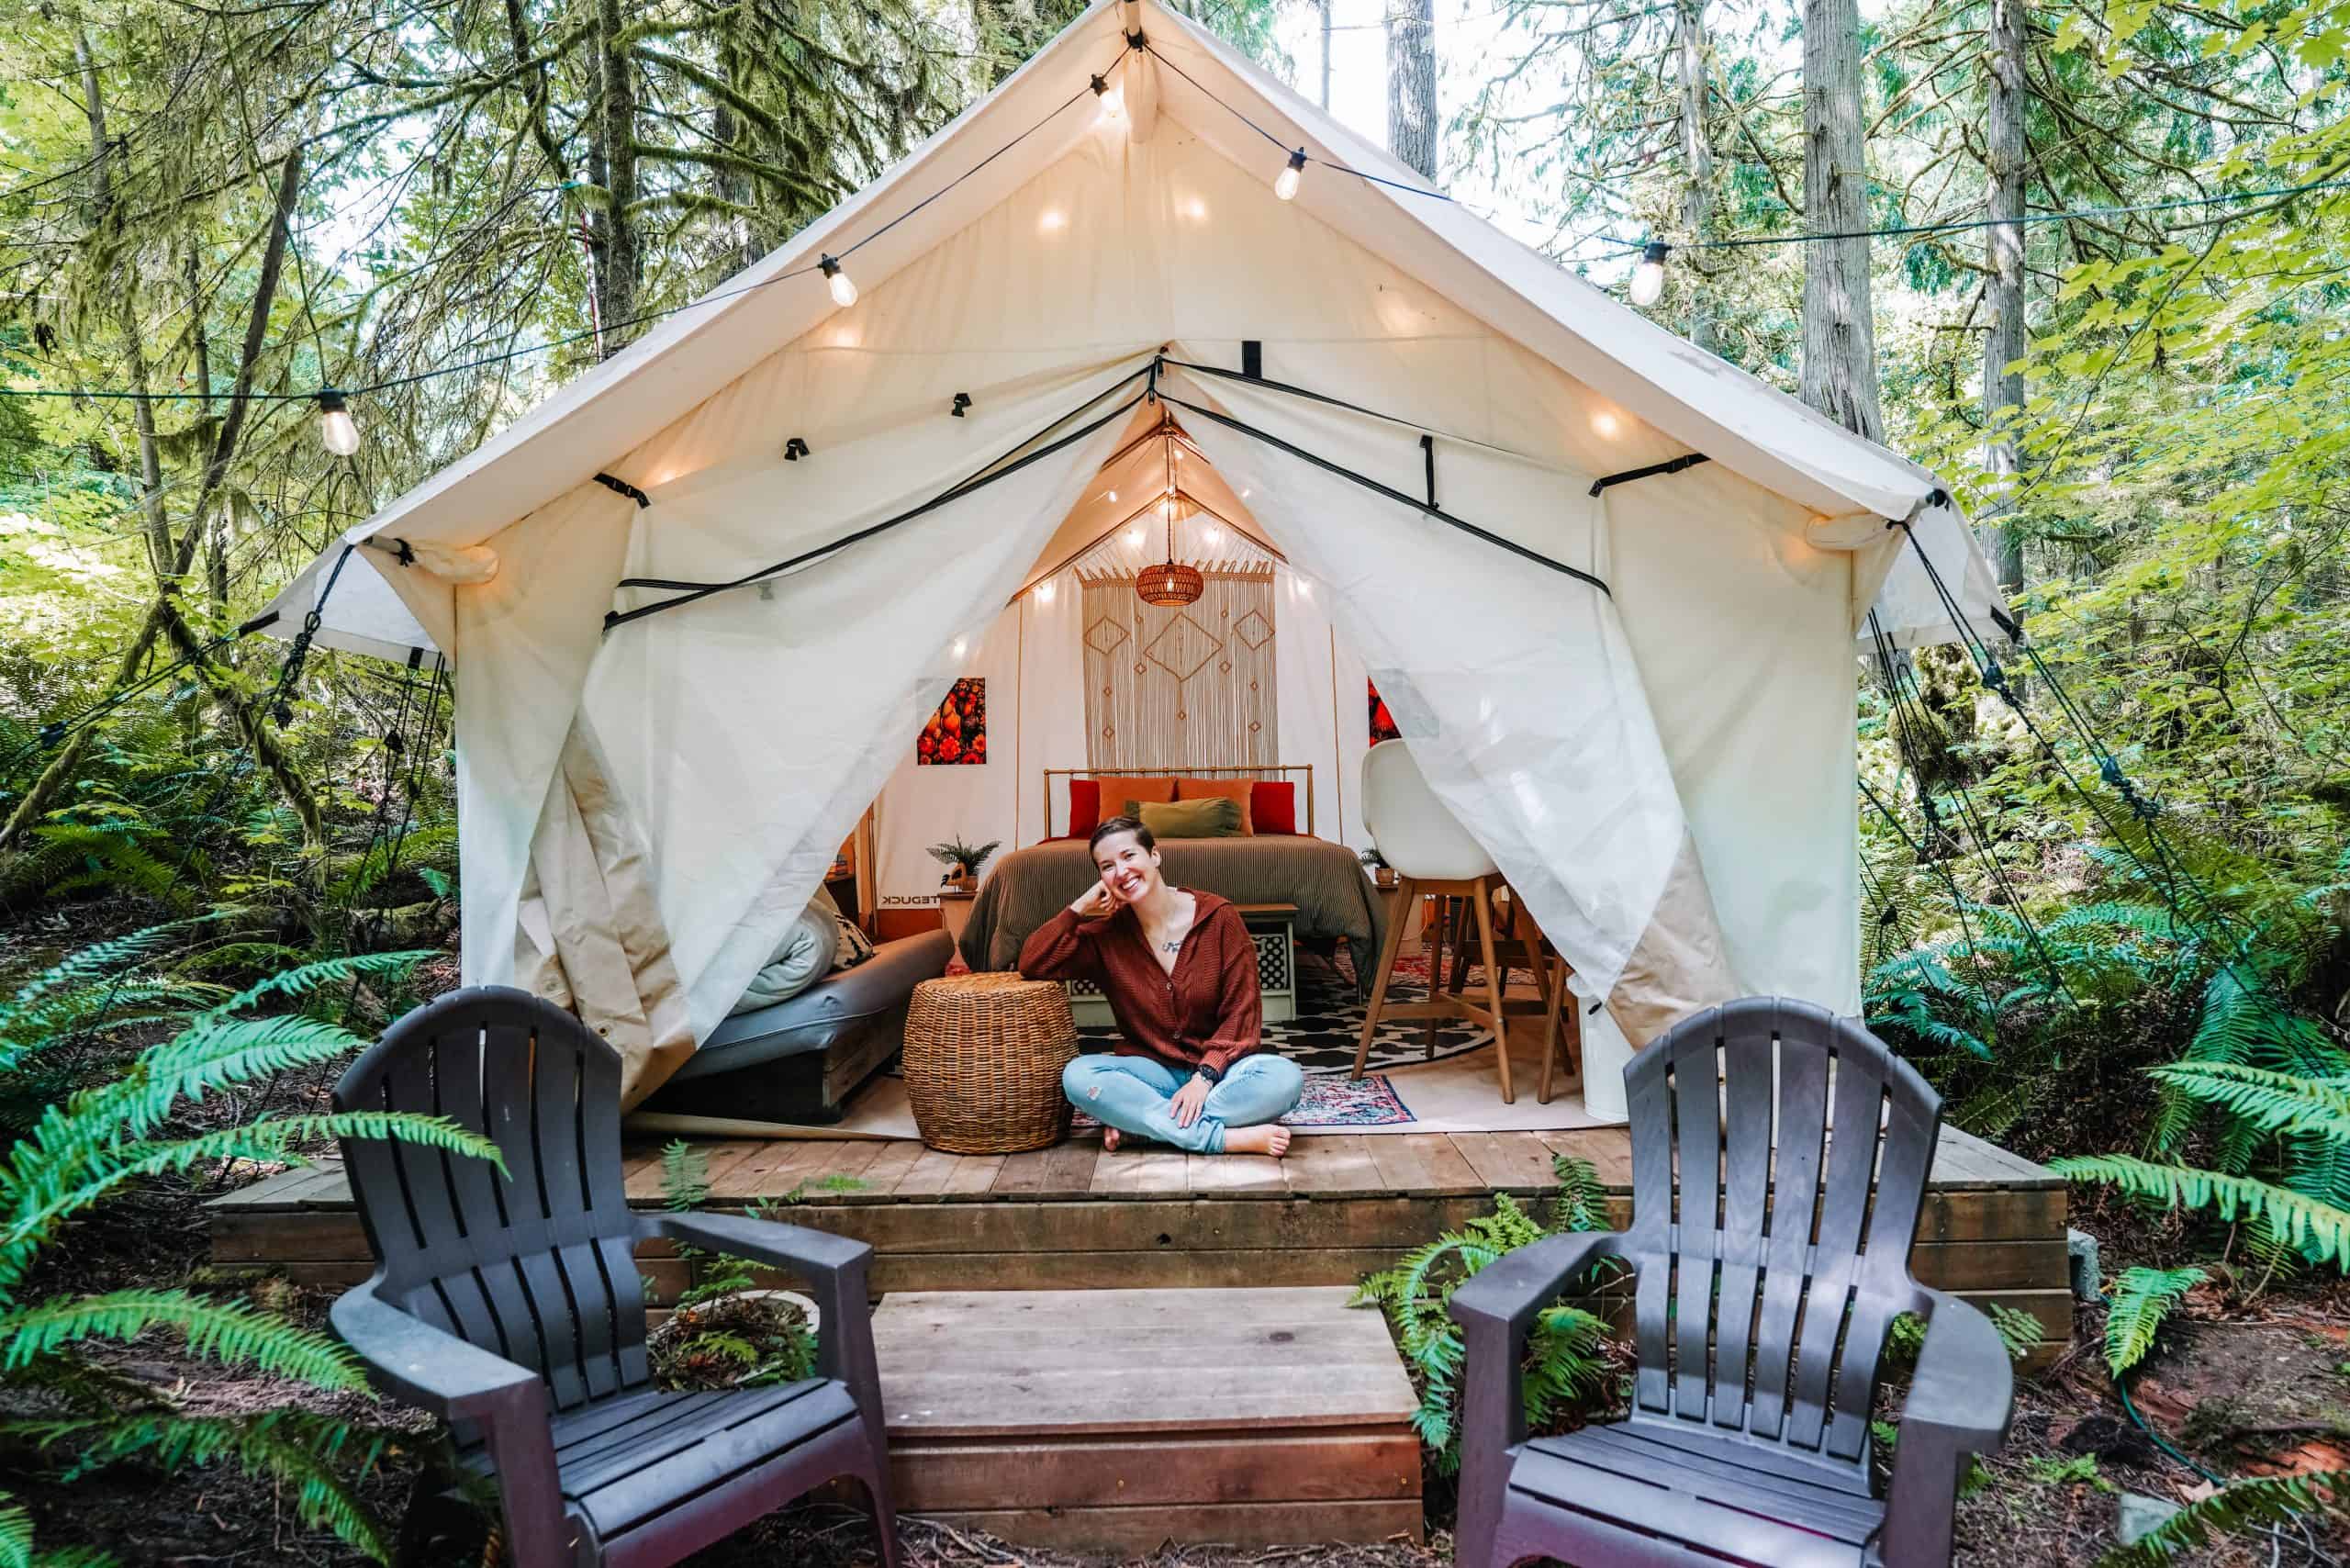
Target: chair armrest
x=834, y=1266
x=1494, y=1308
x=432, y=1369
x=1960, y=1399
x=459, y=1380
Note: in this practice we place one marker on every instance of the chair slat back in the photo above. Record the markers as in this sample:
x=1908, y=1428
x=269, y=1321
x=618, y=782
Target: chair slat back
x=536, y=1264
x=1772, y=1269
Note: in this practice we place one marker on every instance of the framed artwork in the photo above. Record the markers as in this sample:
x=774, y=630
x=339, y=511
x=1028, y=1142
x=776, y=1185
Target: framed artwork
x=956, y=735
x=1383, y=723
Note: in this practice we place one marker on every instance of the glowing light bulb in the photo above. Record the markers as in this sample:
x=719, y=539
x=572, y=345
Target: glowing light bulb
x=1113, y=96
x=1285, y=183
x=1109, y=495
x=1648, y=278
x=1134, y=535
x=1046, y=590
x=843, y=287
x=1606, y=423
x=336, y=428
x=1052, y=221
x=960, y=644
x=1213, y=535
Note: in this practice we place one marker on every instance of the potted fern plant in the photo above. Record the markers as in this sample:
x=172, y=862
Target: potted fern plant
x=962, y=862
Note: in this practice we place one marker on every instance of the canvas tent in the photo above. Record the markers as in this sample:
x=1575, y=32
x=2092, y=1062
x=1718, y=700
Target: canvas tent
x=1638, y=695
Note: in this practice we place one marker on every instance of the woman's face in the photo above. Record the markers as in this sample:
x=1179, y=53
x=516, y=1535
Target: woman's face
x=1127, y=870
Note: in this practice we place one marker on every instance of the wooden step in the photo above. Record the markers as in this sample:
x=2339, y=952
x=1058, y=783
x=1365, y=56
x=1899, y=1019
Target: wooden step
x=1116, y=1420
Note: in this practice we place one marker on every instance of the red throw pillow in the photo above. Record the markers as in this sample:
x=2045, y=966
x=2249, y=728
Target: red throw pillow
x=1084, y=807
x=1273, y=807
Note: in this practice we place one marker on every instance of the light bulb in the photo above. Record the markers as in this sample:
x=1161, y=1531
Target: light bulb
x=1044, y=591
x=960, y=644
x=1134, y=535
x=1605, y=424
x=336, y=428
x=1285, y=183
x=1648, y=278
x=843, y=287
x=1113, y=96
x=1110, y=495
x=1213, y=535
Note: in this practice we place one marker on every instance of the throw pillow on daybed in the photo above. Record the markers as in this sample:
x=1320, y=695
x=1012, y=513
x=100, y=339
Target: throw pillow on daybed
x=822, y=940
x=1272, y=806
x=1236, y=790
x=1215, y=817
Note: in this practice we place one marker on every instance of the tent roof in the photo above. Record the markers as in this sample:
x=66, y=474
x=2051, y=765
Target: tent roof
x=1685, y=392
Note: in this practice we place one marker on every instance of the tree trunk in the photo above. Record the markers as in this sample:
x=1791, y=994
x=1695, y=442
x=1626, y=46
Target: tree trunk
x=1838, y=336
x=1696, y=156
x=2003, y=344
x=1411, y=84
x=616, y=282
x=163, y=614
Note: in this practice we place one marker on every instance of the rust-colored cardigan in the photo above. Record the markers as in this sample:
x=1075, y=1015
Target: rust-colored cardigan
x=1208, y=1013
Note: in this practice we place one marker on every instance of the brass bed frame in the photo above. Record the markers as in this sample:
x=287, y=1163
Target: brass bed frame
x=1274, y=770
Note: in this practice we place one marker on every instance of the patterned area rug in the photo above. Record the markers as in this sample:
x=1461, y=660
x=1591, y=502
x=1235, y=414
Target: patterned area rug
x=1333, y=1103
x=1321, y=1039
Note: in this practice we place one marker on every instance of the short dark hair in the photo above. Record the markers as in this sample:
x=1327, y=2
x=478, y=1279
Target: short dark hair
x=1121, y=825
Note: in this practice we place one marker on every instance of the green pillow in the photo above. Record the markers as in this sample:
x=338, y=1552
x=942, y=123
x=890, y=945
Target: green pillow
x=1212, y=816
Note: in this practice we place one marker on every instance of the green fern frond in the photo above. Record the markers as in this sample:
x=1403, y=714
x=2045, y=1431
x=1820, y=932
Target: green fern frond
x=2320, y=1230
x=15, y=1534
x=2246, y=1504
x=2268, y=1099
x=327, y=974
x=216, y=1331
x=2142, y=1299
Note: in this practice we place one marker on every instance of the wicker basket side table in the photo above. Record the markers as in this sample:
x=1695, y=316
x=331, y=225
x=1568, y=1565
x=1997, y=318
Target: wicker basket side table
x=983, y=1060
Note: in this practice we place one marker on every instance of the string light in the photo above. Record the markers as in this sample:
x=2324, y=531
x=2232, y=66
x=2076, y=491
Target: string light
x=843, y=287
x=1113, y=96
x=337, y=429
x=1046, y=590
x=1285, y=183
x=1648, y=278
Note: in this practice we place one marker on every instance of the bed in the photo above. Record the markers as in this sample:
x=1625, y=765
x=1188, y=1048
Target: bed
x=1325, y=881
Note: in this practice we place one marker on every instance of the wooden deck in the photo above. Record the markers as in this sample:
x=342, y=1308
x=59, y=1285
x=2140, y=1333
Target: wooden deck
x=1072, y=1218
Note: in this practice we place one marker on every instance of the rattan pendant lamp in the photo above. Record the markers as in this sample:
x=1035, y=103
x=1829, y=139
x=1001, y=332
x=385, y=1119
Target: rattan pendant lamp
x=1170, y=583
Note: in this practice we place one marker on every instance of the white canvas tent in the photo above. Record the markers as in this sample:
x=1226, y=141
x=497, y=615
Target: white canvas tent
x=1639, y=697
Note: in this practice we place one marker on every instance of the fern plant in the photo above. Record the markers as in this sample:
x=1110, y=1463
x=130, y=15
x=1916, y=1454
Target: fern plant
x=99, y=1141
x=2142, y=1299
x=1565, y=1361
x=2263, y=1501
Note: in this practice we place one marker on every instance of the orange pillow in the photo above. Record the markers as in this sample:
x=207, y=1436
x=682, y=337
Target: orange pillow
x=1236, y=790
x=1116, y=792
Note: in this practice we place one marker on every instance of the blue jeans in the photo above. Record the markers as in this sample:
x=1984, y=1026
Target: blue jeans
x=1131, y=1093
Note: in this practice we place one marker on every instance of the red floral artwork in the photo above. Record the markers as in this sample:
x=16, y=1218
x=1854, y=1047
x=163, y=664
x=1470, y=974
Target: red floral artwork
x=957, y=734
x=1383, y=723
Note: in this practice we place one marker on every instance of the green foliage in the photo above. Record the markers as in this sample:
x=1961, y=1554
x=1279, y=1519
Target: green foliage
x=2142, y=1299
x=2244, y=1506
x=103, y=1138
x=705, y=1330
x=1565, y=1363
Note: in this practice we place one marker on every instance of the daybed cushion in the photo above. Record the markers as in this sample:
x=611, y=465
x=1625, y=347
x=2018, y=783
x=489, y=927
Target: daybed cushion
x=1217, y=817
x=1084, y=806
x=1272, y=806
x=825, y=1011
x=1236, y=790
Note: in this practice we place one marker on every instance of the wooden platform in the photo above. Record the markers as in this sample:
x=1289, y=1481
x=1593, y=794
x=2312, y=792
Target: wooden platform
x=1113, y=1420
x=1072, y=1218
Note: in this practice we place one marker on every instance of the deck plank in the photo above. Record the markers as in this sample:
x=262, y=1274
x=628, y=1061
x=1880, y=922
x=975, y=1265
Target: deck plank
x=1066, y=1169
x=1333, y=1166
x=1207, y=1173
x=1515, y=1161
x=1140, y=1171
x=1423, y=1164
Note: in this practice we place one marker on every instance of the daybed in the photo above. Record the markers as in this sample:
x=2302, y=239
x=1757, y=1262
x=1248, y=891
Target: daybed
x=800, y=1060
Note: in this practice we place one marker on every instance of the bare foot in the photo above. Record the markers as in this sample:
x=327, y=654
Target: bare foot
x=1111, y=1138
x=1271, y=1138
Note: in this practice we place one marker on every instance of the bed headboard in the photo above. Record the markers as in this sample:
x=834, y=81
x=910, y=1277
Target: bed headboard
x=1295, y=772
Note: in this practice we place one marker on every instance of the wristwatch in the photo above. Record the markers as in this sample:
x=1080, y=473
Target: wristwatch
x=1211, y=1074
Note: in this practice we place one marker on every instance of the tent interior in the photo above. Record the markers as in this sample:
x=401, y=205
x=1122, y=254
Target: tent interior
x=703, y=601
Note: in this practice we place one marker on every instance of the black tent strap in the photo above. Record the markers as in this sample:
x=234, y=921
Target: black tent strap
x=1368, y=483
x=1312, y=396
x=689, y=592
x=613, y=482
x=1670, y=466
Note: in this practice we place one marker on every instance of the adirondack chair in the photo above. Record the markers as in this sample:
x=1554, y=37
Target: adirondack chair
x=512, y=1305
x=1760, y=1321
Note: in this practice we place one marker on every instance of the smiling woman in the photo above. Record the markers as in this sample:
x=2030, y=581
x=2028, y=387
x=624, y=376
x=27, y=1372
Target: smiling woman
x=1191, y=1068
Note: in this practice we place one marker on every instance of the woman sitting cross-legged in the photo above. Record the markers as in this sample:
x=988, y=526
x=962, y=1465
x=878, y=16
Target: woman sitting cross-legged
x=1191, y=1068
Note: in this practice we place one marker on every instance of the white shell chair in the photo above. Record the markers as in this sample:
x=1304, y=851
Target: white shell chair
x=1432, y=855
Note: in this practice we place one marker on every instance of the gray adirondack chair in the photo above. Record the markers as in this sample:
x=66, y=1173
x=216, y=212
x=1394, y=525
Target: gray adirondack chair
x=1762, y=1300
x=512, y=1305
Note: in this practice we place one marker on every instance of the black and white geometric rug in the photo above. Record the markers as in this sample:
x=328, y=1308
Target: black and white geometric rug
x=1321, y=1038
